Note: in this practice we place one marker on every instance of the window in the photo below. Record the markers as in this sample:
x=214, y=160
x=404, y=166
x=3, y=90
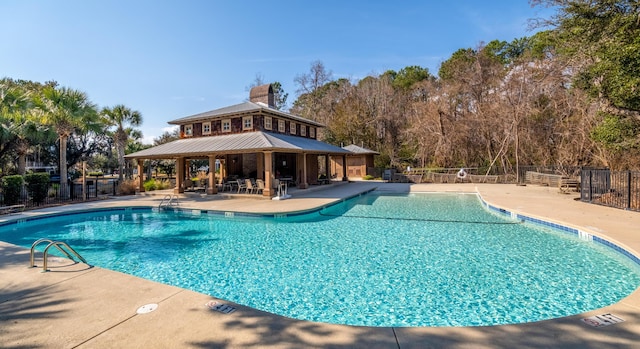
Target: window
x=267, y=123
x=292, y=128
x=303, y=130
x=281, y=126
x=188, y=130
x=226, y=125
x=247, y=122
x=312, y=132
x=206, y=128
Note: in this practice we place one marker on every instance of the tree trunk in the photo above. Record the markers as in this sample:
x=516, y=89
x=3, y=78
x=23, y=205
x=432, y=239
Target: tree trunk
x=64, y=185
x=22, y=163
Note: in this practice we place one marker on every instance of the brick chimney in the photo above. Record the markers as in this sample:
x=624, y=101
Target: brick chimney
x=262, y=94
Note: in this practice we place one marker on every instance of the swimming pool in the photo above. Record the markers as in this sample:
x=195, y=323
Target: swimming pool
x=374, y=260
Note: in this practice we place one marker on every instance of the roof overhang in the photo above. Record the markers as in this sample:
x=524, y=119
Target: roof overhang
x=246, y=108
x=249, y=142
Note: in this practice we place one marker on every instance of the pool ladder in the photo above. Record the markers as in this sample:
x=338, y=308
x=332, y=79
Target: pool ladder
x=167, y=201
x=61, y=246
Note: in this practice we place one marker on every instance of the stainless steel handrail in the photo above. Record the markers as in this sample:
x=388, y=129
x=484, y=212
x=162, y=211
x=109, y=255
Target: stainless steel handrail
x=57, y=244
x=36, y=243
x=169, y=201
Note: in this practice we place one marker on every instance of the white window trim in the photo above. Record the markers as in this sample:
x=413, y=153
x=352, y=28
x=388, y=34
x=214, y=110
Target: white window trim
x=225, y=121
x=268, y=123
x=281, y=126
x=292, y=128
x=244, y=123
x=303, y=130
x=312, y=132
x=205, y=132
x=188, y=130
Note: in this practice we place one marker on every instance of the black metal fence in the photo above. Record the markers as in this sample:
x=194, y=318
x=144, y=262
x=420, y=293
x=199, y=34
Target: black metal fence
x=619, y=189
x=61, y=193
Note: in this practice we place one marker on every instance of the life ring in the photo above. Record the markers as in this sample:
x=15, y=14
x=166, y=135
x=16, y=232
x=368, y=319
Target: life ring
x=462, y=174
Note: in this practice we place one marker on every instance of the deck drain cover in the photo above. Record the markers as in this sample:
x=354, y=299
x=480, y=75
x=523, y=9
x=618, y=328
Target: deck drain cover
x=147, y=308
x=602, y=320
x=223, y=308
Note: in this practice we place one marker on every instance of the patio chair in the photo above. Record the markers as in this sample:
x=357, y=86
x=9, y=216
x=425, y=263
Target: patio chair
x=250, y=187
x=241, y=185
x=259, y=186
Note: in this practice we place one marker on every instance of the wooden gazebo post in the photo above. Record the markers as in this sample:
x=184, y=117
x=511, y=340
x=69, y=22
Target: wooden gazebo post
x=303, y=181
x=140, y=175
x=212, y=188
x=268, y=173
x=344, y=168
x=179, y=176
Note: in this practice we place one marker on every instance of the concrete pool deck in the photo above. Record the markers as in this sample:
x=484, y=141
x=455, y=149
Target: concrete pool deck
x=78, y=307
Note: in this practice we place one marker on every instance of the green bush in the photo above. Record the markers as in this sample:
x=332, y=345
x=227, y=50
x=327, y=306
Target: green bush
x=11, y=187
x=37, y=186
x=368, y=177
x=150, y=185
x=154, y=184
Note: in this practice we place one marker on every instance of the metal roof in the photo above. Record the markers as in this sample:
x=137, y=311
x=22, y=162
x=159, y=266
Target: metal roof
x=248, y=142
x=359, y=150
x=239, y=109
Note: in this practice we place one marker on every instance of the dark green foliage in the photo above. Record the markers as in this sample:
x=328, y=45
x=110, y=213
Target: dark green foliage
x=37, y=186
x=409, y=76
x=11, y=187
x=617, y=134
x=279, y=95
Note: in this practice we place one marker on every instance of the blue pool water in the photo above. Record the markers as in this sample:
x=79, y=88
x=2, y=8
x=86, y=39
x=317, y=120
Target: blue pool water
x=375, y=260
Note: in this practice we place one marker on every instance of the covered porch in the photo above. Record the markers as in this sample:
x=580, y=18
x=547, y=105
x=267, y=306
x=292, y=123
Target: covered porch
x=255, y=156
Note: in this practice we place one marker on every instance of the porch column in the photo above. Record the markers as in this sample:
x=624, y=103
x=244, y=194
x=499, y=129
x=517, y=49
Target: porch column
x=179, y=176
x=268, y=173
x=212, y=188
x=223, y=169
x=327, y=167
x=344, y=168
x=141, y=175
x=303, y=181
x=260, y=166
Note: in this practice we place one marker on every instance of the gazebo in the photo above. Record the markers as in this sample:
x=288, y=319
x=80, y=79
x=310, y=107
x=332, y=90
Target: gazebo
x=250, y=139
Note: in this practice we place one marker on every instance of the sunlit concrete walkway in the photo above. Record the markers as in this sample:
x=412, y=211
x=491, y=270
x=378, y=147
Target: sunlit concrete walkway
x=78, y=307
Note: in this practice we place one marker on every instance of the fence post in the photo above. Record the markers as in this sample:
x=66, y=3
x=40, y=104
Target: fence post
x=628, y=190
x=590, y=186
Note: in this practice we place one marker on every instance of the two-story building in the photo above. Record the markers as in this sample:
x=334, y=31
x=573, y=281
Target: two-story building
x=249, y=140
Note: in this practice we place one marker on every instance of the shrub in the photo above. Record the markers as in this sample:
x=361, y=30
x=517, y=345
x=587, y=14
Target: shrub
x=53, y=191
x=155, y=184
x=368, y=177
x=37, y=186
x=163, y=185
x=150, y=185
x=127, y=187
x=11, y=187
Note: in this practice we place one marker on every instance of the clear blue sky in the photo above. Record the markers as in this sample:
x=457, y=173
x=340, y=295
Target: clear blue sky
x=170, y=59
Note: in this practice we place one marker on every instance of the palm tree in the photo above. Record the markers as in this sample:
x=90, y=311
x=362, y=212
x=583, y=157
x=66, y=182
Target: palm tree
x=67, y=110
x=12, y=100
x=20, y=125
x=122, y=117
